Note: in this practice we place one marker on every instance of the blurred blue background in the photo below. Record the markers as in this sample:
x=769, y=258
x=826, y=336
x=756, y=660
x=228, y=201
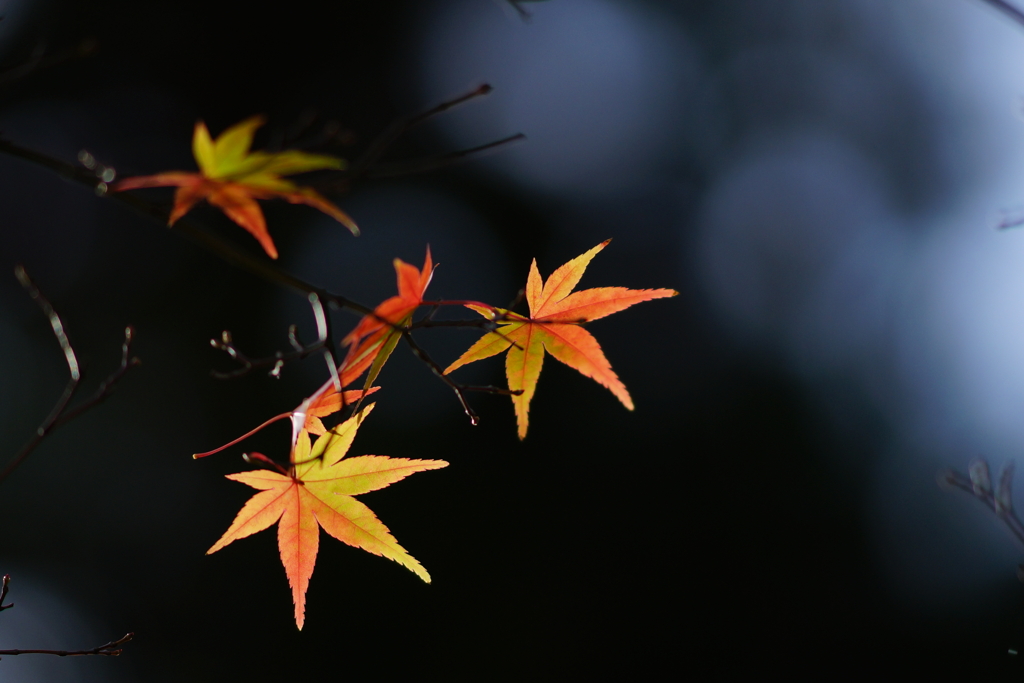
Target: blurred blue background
x=822, y=181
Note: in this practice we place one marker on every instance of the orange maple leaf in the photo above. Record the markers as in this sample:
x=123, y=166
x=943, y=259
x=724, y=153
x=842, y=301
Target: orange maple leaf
x=232, y=178
x=318, y=492
x=326, y=401
x=555, y=325
x=371, y=342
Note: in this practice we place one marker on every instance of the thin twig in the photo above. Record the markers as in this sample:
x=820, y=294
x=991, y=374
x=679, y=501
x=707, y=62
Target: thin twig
x=3, y=592
x=401, y=126
x=276, y=362
x=324, y=342
x=184, y=226
x=517, y=5
x=418, y=351
x=397, y=169
x=998, y=499
x=225, y=250
x=58, y=416
x=105, y=387
x=232, y=254
x=989, y=498
x=111, y=649
x=459, y=389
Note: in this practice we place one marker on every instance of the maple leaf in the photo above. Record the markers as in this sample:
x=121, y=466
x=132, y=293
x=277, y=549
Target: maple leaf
x=232, y=178
x=371, y=342
x=318, y=492
x=327, y=401
x=555, y=325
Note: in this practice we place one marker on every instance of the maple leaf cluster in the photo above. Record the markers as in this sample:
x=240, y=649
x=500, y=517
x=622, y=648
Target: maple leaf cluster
x=316, y=487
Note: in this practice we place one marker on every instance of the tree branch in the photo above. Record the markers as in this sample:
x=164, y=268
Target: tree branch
x=380, y=145
x=58, y=415
x=276, y=362
x=111, y=649
x=998, y=499
x=397, y=169
x=98, y=177
x=3, y=592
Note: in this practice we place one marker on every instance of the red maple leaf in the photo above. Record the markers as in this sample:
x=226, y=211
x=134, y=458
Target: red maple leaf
x=371, y=342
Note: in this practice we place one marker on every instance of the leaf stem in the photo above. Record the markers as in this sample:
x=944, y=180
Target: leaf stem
x=243, y=437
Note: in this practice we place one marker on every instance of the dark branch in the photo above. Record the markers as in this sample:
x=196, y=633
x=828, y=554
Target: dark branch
x=434, y=163
x=111, y=649
x=517, y=5
x=97, y=177
x=266, y=270
x=379, y=146
x=324, y=342
x=58, y=416
x=3, y=592
x=459, y=389
x=998, y=499
x=422, y=355
x=190, y=229
x=107, y=385
x=300, y=351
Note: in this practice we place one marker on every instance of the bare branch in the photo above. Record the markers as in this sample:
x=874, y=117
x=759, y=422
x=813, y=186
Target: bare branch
x=276, y=362
x=106, y=386
x=379, y=146
x=459, y=389
x=97, y=177
x=517, y=5
x=58, y=416
x=111, y=649
x=998, y=499
x=433, y=163
x=190, y=229
x=3, y=592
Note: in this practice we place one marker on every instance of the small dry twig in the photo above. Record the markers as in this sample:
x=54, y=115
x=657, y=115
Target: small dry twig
x=59, y=414
x=998, y=499
x=111, y=649
x=277, y=361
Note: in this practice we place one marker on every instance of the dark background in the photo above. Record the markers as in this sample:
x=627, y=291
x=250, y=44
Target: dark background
x=792, y=168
